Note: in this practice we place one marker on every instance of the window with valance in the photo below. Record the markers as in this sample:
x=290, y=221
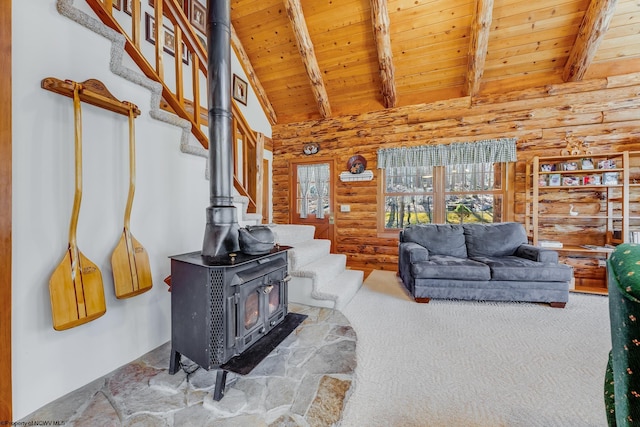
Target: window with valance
x=454, y=183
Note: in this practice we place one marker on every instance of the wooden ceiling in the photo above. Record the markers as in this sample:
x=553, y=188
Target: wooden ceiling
x=313, y=59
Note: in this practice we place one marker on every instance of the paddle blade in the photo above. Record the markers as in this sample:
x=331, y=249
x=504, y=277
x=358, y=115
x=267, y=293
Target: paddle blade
x=76, y=292
x=131, y=268
x=145, y=281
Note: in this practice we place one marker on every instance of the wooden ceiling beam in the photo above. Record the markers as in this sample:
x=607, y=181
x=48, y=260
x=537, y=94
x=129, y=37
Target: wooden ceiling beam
x=380, y=18
x=307, y=53
x=592, y=30
x=478, y=45
x=253, y=78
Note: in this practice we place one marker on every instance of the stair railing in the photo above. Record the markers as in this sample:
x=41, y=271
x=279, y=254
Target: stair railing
x=188, y=52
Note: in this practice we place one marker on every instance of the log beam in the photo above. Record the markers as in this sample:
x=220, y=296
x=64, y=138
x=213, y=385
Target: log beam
x=380, y=18
x=261, y=94
x=308, y=55
x=592, y=30
x=478, y=46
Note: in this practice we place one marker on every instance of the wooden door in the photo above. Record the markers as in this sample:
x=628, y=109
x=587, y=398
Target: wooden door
x=312, y=200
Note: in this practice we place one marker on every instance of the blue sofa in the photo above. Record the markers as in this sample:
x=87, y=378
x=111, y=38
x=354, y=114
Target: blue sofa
x=480, y=262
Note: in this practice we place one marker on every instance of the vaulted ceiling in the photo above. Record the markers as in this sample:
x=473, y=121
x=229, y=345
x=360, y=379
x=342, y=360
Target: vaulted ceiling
x=312, y=59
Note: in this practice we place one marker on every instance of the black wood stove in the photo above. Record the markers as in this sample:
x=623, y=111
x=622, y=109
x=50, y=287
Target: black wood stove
x=228, y=308
x=229, y=312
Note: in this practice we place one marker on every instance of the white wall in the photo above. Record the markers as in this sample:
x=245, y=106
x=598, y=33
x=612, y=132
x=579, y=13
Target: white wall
x=168, y=214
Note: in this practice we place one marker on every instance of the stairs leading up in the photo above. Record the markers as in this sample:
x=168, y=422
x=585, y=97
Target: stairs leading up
x=319, y=278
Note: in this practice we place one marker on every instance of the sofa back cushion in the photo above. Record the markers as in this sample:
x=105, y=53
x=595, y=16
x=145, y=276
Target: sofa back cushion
x=439, y=239
x=490, y=240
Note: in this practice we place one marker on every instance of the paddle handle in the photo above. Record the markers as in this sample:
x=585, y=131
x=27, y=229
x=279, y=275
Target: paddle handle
x=77, y=197
x=132, y=167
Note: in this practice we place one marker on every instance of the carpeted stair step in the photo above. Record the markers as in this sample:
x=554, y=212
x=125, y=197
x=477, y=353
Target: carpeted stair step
x=323, y=269
x=331, y=279
x=307, y=252
x=344, y=286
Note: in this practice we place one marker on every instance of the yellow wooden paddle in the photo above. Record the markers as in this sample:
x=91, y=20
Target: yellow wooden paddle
x=130, y=261
x=75, y=287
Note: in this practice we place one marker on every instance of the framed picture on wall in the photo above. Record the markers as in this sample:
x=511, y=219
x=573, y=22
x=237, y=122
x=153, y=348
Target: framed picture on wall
x=198, y=16
x=117, y=4
x=126, y=6
x=239, y=89
x=169, y=39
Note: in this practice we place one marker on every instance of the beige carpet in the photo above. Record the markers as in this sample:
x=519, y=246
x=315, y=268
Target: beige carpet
x=456, y=363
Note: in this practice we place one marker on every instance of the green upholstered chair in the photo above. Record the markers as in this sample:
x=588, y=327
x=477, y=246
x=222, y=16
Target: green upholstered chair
x=622, y=378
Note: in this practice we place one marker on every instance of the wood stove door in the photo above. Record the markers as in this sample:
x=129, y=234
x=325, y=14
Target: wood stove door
x=260, y=308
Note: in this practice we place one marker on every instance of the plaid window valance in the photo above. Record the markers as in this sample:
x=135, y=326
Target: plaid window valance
x=460, y=153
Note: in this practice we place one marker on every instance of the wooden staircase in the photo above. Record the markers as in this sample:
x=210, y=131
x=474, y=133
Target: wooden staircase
x=248, y=177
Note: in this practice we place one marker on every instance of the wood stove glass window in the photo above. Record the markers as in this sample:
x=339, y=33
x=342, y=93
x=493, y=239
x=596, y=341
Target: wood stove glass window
x=251, y=309
x=274, y=298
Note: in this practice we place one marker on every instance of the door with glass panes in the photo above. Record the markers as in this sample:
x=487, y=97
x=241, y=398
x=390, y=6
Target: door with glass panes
x=312, y=196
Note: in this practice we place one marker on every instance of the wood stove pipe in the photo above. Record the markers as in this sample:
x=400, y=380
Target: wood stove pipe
x=221, y=232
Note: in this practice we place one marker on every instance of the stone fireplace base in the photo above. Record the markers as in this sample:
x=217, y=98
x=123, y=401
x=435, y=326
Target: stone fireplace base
x=306, y=380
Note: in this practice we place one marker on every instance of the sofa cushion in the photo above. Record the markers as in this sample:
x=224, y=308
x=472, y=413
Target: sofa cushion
x=439, y=239
x=450, y=267
x=521, y=269
x=494, y=240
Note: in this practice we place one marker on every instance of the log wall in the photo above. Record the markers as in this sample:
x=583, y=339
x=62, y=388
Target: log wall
x=603, y=112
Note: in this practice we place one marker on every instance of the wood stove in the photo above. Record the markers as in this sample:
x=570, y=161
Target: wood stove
x=223, y=306
x=228, y=308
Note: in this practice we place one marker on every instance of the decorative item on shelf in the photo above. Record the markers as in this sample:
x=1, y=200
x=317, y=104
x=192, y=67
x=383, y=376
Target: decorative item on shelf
x=607, y=164
x=610, y=178
x=570, y=180
x=554, y=180
x=587, y=164
x=547, y=167
x=347, y=176
x=591, y=180
x=570, y=166
x=357, y=164
x=311, y=148
x=575, y=147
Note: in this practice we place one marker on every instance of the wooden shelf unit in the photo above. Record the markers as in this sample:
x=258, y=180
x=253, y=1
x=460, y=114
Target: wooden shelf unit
x=561, y=208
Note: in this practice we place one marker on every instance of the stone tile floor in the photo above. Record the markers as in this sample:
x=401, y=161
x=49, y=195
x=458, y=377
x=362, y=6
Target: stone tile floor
x=306, y=381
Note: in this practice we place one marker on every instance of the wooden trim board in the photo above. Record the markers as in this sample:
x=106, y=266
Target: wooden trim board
x=6, y=405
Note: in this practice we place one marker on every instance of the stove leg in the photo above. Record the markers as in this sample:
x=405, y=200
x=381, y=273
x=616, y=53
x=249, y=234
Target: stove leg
x=221, y=381
x=174, y=361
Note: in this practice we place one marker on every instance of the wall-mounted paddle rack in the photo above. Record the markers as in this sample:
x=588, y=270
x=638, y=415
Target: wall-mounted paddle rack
x=92, y=92
x=76, y=288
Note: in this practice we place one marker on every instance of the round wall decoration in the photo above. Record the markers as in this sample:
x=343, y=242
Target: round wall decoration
x=311, y=148
x=357, y=164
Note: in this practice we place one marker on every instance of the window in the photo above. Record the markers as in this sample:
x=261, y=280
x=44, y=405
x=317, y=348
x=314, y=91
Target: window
x=313, y=190
x=457, y=183
x=452, y=194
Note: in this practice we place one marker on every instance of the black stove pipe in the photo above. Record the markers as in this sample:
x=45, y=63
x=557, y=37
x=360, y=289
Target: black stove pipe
x=221, y=232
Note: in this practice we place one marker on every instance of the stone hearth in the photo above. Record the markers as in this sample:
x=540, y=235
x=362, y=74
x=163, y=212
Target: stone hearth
x=306, y=381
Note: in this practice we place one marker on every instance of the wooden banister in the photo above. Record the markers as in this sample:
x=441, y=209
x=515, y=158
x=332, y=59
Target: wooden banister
x=185, y=39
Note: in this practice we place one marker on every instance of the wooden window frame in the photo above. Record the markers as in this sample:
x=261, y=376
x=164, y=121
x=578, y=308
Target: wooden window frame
x=439, y=195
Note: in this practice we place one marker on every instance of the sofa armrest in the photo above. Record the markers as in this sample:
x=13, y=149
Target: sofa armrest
x=536, y=253
x=414, y=252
